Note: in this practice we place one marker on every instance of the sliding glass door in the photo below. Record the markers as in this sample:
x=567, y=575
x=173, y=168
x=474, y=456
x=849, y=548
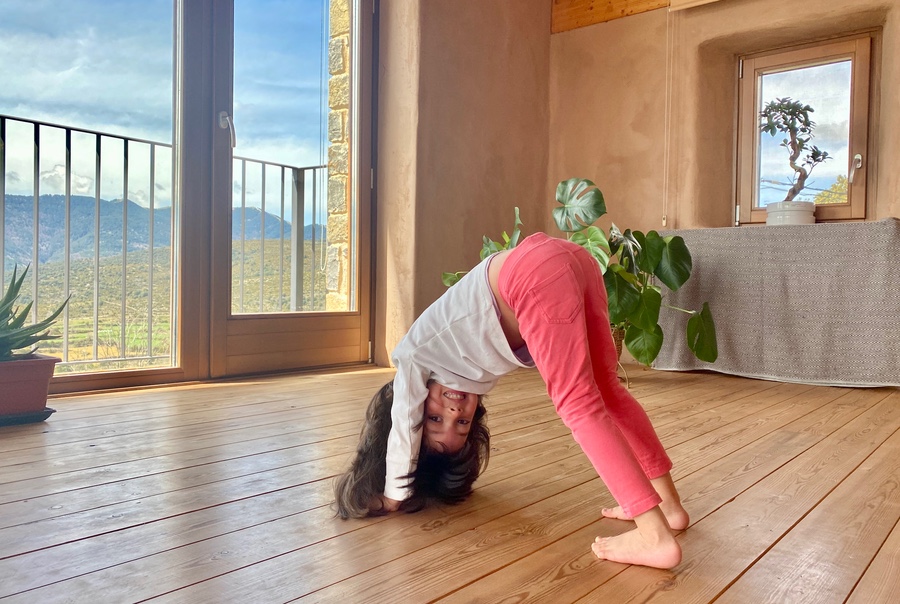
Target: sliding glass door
x=290, y=252
x=188, y=173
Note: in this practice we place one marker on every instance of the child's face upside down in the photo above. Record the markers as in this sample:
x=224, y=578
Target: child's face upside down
x=448, y=417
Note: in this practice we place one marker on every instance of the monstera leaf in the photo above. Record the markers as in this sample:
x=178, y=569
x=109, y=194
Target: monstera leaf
x=635, y=301
x=582, y=204
x=594, y=241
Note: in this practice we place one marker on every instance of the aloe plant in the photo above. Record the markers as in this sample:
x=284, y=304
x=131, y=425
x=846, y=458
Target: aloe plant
x=634, y=298
x=15, y=335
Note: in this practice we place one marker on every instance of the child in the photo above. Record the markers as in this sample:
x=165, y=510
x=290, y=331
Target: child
x=541, y=304
x=438, y=474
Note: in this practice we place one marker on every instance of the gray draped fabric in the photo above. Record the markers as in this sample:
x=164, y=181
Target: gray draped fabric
x=815, y=304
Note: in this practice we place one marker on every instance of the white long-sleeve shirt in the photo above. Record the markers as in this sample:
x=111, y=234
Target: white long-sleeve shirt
x=458, y=342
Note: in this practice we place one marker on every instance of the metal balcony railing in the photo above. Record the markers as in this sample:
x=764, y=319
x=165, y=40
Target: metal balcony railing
x=294, y=280
x=62, y=213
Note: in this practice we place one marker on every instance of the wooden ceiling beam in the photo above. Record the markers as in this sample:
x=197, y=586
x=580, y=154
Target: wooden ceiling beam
x=572, y=14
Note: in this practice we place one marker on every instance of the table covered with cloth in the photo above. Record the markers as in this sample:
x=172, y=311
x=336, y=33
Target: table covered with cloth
x=814, y=304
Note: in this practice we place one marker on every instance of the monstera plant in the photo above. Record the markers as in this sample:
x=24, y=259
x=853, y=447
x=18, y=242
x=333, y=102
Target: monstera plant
x=635, y=298
x=633, y=264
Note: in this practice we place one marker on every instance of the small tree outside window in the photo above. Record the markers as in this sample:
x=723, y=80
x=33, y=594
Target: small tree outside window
x=803, y=120
x=792, y=118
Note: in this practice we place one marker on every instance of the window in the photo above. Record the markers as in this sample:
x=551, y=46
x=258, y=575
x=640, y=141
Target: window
x=86, y=123
x=117, y=169
x=802, y=129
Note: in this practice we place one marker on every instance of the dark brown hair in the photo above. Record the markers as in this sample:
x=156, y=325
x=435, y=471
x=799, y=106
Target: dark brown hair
x=438, y=476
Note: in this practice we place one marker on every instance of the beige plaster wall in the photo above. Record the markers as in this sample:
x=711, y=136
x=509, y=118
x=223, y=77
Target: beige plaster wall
x=395, y=212
x=463, y=119
x=607, y=114
x=693, y=184
x=481, y=109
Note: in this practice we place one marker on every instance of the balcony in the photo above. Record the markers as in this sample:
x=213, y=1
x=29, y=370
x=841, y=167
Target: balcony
x=91, y=213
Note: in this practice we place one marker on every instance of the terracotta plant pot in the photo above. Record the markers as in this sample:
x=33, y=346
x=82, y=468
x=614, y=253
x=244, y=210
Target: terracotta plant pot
x=24, y=385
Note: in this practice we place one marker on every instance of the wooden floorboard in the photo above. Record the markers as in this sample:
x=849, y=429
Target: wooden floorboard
x=221, y=492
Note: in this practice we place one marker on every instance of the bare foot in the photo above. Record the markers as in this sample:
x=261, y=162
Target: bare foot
x=616, y=513
x=633, y=547
x=675, y=514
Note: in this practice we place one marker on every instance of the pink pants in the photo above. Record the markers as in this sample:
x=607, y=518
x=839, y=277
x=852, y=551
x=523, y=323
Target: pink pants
x=556, y=291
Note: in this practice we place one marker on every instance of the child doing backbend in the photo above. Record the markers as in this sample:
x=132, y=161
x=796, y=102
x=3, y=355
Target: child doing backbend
x=541, y=304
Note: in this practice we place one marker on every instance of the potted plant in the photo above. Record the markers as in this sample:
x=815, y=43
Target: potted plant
x=24, y=374
x=791, y=118
x=635, y=299
x=640, y=260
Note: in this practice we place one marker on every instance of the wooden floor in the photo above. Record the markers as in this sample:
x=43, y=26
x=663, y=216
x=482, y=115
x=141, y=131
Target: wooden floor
x=221, y=493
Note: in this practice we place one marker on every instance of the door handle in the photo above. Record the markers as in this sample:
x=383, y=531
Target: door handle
x=226, y=123
x=854, y=165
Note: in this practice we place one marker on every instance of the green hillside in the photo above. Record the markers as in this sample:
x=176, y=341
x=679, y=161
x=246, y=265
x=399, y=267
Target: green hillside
x=121, y=305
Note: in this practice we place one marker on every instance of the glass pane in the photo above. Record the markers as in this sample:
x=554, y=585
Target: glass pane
x=86, y=116
x=291, y=211
x=825, y=90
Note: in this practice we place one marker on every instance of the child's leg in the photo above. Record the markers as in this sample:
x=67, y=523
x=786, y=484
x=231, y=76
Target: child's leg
x=544, y=282
x=676, y=515
x=622, y=407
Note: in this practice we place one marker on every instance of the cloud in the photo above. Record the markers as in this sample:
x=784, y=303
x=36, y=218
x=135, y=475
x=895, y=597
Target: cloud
x=285, y=148
x=54, y=180
x=101, y=66
x=831, y=132
x=107, y=66
x=12, y=178
x=825, y=88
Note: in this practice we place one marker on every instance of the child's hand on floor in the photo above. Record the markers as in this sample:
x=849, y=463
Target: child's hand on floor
x=383, y=505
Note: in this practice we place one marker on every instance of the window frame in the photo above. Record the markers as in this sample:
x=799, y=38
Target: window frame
x=857, y=48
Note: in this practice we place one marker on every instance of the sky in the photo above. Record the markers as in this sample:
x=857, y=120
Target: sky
x=107, y=65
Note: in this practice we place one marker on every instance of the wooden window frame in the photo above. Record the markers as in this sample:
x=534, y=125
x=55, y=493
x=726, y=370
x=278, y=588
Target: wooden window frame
x=858, y=49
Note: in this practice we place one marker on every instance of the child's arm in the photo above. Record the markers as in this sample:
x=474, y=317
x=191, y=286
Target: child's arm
x=405, y=438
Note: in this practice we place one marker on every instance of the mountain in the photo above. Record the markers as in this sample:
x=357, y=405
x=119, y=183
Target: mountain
x=254, y=220
x=19, y=230
x=19, y=218
x=318, y=229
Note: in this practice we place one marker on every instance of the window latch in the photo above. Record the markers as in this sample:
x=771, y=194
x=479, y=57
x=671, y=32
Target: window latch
x=855, y=165
x=226, y=123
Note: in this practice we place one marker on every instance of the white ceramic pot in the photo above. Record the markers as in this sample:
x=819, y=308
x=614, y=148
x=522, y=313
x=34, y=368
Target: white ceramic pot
x=791, y=212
